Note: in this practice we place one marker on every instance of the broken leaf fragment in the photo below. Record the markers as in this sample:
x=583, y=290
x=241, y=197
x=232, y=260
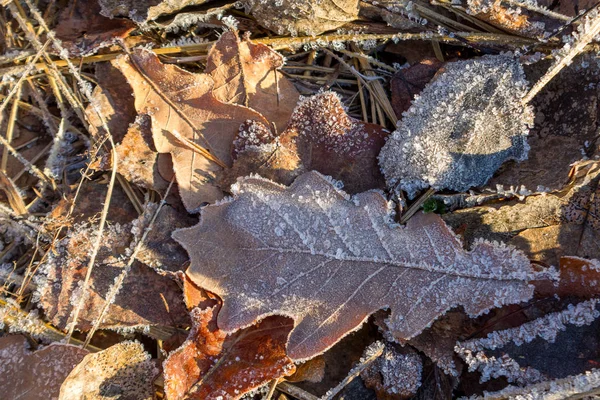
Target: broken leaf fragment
x=462, y=127
x=187, y=121
x=328, y=261
x=214, y=365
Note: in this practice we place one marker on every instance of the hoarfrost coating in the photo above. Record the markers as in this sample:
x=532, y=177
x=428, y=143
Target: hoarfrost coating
x=464, y=125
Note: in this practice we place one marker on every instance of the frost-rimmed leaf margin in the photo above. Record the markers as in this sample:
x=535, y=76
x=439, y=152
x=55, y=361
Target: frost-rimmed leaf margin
x=237, y=232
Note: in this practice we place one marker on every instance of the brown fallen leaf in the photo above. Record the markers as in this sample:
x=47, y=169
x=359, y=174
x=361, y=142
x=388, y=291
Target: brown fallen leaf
x=302, y=17
x=138, y=159
x=33, y=375
x=288, y=251
x=248, y=74
x=113, y=97
x=146, y=298
x=312, y=370
x=82, y=30
x=408, y=82
x=187, y=121
x=159, y=250
x=124, y=371
x=142, y=11
x=321, y=137
x=214, y=365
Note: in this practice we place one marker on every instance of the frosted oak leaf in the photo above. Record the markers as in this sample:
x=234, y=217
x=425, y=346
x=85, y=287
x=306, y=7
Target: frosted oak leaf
x=328, y=261
x=463, y=126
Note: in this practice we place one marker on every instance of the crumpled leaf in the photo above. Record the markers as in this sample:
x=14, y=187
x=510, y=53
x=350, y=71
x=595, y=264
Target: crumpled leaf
x=182, y=107
x=123, y=371
x=32, y=375
x=248, y=74
x=302, y=17
x=328, y=261
x=142, y=11
x=214, y=365
x=321, y=137
x=396, y=374
x=462, y=127
x=82, y=30
x=146, y=297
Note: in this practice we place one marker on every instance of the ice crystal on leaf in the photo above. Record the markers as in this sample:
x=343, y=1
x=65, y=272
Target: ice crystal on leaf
x=329, y=260
x=462, y=127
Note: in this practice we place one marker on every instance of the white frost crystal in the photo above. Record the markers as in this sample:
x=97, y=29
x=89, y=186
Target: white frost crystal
x=463, y=126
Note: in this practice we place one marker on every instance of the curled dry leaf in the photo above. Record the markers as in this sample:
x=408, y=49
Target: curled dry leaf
x=462, y=127
x=82, y=30
x=187, y=121
x=248, y=74
x=328, y=261
x=146, y=297
x=302, y=17
x=28, y=375
x=396, y=374
x=321, y=136
x=214, y=365
x=123, y=371
x=142, y=11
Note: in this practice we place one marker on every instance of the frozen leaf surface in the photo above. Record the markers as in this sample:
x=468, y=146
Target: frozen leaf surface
x=146, y=298
x=123, y=371
x=321, y=136
x=28, y=375
x=302, y=17
x=328, y=261
x=462, y=127
x=214, y=365
x=186, y=117
x=248, y=74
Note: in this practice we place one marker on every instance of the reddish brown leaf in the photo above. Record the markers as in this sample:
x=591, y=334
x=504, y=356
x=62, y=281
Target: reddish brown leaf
x=578, y=277
x=409, y=82
x=28, y=375
x=212, y=365
x=248, y=74
x=82, y=30
x=321, y=137
x=183, y=108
